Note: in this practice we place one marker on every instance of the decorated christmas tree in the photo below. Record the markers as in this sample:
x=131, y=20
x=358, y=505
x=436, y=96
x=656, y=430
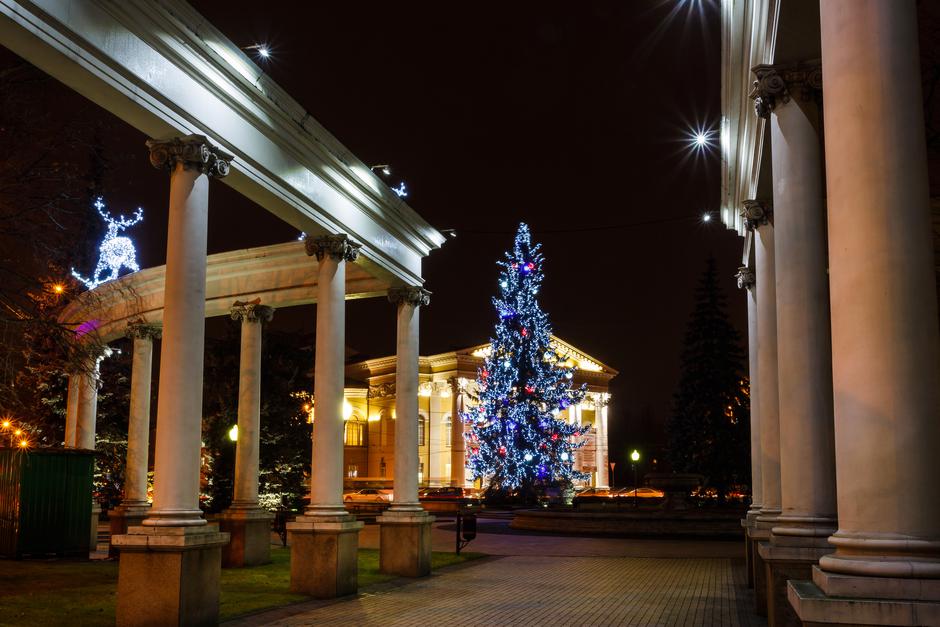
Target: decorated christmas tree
x=518, y=443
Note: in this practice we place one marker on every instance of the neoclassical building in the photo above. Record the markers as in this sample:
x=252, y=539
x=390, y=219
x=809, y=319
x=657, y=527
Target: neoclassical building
x=824, y=175
x=447, y=385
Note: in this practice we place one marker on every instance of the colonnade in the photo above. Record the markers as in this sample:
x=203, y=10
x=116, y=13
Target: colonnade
x=844, y=333
x=169, y=546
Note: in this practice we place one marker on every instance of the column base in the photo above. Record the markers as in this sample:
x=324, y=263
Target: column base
x=250, y=531
x=747, y=524
x=122, y=518
x=757, y=572
x=324, y=555
x=405, y=543
x=169, y=575
x=783, y=563
x=833, y=599
x=93, y=531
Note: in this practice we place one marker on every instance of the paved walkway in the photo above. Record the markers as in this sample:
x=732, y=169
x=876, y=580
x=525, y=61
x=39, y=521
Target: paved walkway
x=546, y=580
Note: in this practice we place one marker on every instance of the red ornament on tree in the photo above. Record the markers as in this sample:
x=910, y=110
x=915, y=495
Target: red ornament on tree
x=502, y=451
x=529, y=389
x=554, y=437
x=524, y=332
x=484, y=373
x=530, y=266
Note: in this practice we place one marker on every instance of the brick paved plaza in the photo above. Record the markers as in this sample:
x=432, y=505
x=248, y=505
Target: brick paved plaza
x=542, y=580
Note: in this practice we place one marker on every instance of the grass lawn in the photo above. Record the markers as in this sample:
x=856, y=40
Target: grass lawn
x=58, y=592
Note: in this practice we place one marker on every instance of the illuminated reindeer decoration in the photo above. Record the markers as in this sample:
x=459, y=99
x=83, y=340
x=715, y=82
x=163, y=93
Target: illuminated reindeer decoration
x=116, y=251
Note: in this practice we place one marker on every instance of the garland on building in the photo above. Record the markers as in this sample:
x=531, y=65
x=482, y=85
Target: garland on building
x=516, y=440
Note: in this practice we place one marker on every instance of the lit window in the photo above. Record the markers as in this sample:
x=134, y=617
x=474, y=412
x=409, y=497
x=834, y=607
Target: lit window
x=422, y=423
x=353, y=432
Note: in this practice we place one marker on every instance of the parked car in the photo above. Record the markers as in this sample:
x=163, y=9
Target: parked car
x=369, y=495
x=447, y=494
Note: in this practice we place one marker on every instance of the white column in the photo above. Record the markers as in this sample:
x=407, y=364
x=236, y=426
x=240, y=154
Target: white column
x=252, y=316
x=757, y=217
x=71, y=409
x=87, y=414
x=600, y=441
x=886, y=378
x=746, y=281
x=326, y=480
x=138, y=423
x=408, y=299
x=787, y=95
x=190, y=160
x=458, y=461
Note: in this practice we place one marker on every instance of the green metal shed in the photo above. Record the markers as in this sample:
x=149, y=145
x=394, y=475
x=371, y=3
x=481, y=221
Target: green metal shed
x=45, y=501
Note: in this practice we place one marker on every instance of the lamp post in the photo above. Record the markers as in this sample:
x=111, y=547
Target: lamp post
x=634, y=458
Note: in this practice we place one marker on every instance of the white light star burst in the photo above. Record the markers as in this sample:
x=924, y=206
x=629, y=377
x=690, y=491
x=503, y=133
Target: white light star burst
x=701, y=139
x=400, y=190
x=116, y=251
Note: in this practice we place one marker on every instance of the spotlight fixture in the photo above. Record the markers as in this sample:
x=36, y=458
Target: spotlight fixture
x=383, y=167
x=262, y=50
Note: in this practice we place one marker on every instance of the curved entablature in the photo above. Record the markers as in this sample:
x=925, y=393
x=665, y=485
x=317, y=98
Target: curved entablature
x=164, y=69
x=281, y=275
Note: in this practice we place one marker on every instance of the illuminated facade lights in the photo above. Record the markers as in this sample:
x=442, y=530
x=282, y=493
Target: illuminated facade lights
x=116, y=251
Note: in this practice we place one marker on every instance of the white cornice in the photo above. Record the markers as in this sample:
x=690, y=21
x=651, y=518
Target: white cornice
x=748, y=34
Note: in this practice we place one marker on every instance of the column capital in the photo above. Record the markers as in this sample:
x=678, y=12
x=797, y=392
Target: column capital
x=757, y=213
x=195, y=152
x=409, y=295
x=338, y=247
x=139, y=329
x=746, y=278
x=776, y=84
x=252, y=311
x=456, y=385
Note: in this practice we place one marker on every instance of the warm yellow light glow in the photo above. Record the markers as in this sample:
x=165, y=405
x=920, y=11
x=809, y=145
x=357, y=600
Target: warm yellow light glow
x=233, y=433
x=18, y=432
x=24, y=443
x=483, y=352
x=58, y=288
x=375, y=417
x=635, y=455
x=347, y=410
x=5, y=424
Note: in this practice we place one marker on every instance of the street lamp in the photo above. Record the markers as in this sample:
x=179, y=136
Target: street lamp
x=634, y=458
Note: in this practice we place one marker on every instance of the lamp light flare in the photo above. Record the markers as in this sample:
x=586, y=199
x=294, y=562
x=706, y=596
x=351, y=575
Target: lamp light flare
x=24, y=443
x=263, y=51
x=700, y=139
x=706, y=217
x=400, y=190
x=58, y=288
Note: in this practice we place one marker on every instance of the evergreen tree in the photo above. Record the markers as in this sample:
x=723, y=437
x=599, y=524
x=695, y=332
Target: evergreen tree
x=709, y=430
x=517, y=442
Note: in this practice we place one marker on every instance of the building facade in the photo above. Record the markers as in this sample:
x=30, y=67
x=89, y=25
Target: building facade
x=447, y=387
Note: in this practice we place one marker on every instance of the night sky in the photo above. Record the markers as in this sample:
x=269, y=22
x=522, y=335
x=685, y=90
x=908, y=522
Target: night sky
x=573, y=117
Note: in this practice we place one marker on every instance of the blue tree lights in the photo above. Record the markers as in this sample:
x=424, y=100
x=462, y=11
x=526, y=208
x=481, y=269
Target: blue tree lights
x=516, y=440
x=116, y=251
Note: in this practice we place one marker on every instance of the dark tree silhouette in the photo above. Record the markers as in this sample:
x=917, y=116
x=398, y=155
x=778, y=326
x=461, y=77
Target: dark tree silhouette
x=710, y=426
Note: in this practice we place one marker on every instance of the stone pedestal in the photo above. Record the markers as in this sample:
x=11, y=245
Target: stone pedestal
x=781, y=564
x=324, y=555
x=250, y=533
x=405, y=544
x=122, y=518
x=169, y=575
x=832, y=599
